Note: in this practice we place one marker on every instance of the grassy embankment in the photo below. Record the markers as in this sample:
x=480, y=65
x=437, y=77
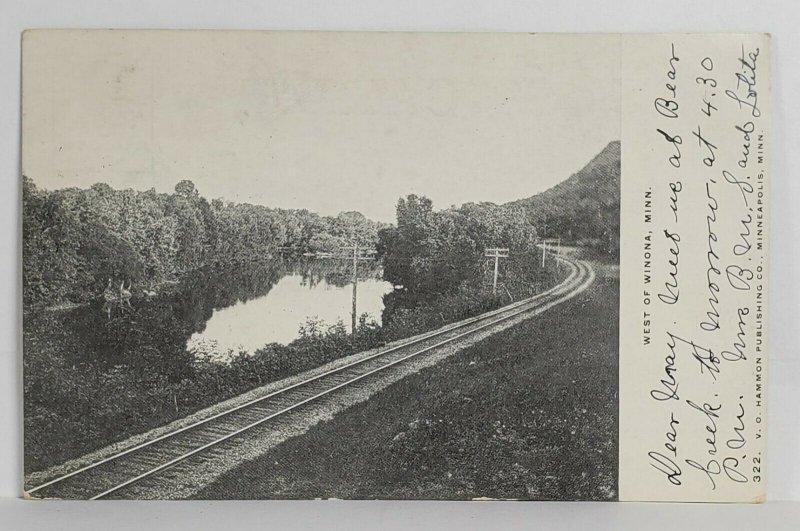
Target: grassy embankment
x=530, y=413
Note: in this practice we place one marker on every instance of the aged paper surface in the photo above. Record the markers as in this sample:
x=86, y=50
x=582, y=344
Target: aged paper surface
x=695, y=175
x=394, y=265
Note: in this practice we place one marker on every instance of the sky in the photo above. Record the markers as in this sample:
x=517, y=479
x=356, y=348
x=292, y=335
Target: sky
x=329, y=122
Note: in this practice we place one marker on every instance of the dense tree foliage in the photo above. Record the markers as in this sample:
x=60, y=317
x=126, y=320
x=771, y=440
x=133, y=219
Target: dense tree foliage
x=431, y=253
x=438, y=257
x=75, y=240
x=583, y=209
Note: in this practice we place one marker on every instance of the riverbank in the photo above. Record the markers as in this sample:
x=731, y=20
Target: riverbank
x=529, y=413
x=75, y=405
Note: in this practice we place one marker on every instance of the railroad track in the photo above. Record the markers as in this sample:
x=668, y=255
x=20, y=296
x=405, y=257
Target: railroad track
x=113, y=475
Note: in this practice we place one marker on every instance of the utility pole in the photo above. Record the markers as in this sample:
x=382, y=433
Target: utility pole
x=358, y=254
x=355, y=285
x=558, y=252
x=550, y=242
x=497, y=253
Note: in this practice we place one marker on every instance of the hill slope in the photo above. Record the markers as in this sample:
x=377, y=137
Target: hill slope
x=585, y=207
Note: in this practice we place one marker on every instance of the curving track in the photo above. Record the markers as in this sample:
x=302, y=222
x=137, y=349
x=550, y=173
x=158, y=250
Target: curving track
x=110, y=477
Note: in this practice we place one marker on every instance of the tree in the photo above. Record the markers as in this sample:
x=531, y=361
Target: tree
x=75, y=240
x=433, y=253
x=186, y=189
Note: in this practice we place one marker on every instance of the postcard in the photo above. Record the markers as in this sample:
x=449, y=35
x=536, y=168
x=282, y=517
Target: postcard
x=440, y=266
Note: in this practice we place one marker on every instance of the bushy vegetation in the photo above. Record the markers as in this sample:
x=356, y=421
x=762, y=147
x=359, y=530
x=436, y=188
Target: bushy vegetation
x=74, y=240
x=74, y=408
x=438, y=259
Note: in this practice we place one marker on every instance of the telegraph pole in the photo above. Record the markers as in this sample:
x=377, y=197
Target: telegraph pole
x=558, y=252
x=497, y=253
x=550, y=242
x=358, y=254
x=355, y=285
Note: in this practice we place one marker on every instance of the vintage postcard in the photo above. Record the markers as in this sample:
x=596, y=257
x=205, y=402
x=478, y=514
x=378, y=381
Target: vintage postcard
x=301, y=265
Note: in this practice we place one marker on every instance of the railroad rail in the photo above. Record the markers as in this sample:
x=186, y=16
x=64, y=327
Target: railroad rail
x=112, y=475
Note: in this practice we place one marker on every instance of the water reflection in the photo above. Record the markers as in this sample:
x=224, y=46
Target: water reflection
x=248, y=306
x=277, y=317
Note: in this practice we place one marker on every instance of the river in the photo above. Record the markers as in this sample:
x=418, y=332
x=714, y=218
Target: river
x=277, y=316
x=210, y=314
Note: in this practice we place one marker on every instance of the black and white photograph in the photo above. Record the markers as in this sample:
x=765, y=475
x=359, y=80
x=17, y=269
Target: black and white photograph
x=320, y=265
x=375, y=265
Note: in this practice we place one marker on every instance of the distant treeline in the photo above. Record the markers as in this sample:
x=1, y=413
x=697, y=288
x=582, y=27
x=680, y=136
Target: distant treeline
x=75, y=240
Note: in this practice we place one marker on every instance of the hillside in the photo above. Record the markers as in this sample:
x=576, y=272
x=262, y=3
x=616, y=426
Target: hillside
x=585, y=207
